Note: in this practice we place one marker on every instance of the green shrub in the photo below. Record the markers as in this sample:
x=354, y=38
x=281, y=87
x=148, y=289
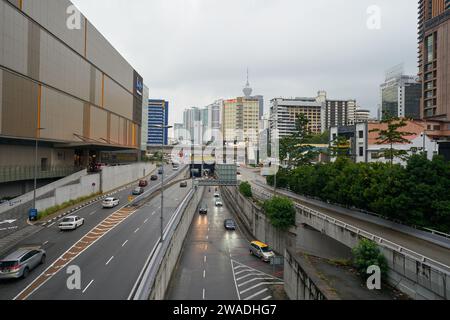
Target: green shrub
x=57, y=208
x=281, y=212
x=246, y=189
x=368, y=254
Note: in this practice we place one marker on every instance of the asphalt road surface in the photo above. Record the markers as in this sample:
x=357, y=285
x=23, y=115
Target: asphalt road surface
x=216, y=264
x=111, y=265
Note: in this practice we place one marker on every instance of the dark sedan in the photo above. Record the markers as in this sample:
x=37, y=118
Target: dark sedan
x=138, y=191
x=229, y=224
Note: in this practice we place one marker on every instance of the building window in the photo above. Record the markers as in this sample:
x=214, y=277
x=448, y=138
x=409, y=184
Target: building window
x=430, y=48
x=361, y=134
x=361, y=151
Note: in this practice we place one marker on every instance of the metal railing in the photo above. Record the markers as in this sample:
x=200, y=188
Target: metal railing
x=379, y=240
x=20, y=173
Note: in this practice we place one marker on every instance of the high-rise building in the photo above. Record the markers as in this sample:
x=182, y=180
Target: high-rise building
x=321, y=112
x=337, y=112
x=400, y=95
x=158, y=115
x=248, y=90
x=434, y=60
x=241, y=120
x=179, y=134
x=69, y=88
x=284, y=113
x=192, y=121
x=144, y=131
x=362, y=116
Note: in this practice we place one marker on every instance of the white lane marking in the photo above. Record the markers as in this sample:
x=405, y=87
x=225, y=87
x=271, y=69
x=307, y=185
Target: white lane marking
x=88, y=286
x=153, y=213
x=249, y=275
x=204, y=274
x=137, y=230
x=234, y=278
x=267, y=298
x=123, y=245
x=146, y=220
x=51, y=225
x=204, y=294
x=204, y=259
x=92, y=213
x=109, y=260
x=257, y=294
x=259, y=285
x=242, y=271
x=252, y=280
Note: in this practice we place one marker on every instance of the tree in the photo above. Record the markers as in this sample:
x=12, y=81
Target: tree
x=323, y=138
x=340, y=147
x=295, y=149
x=392, y=136
x=246, y=189
x=281, y=212
x=368, y=254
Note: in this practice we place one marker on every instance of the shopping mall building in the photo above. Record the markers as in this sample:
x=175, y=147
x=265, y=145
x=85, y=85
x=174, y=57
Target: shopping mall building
x=62, y=84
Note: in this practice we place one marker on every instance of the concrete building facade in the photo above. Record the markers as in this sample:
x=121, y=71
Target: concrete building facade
x=434, y=60
x=65, y=85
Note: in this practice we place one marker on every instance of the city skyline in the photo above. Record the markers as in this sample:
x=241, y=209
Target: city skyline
x=284, y=70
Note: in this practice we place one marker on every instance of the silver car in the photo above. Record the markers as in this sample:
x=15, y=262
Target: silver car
x=19, y=263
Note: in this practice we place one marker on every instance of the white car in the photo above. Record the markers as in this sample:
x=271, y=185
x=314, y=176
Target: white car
x=110, y=202
x=219, y=203
x=71, y=223
x=217, y=195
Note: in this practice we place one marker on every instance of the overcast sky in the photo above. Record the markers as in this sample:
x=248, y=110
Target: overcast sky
x=192, y=52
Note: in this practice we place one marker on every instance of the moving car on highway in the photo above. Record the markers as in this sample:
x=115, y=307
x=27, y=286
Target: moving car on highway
x=19, y=263
x=138, y=191
x=143, y=183
x=154, y=178
x=71, y=223
x=261, y=250
x=216, y=195
x=219, y=203
x=203, y=209
x=183, y=184
x=229, y=224
x=110, y=202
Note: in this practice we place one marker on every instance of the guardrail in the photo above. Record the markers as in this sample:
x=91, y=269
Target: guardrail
x=143, y=287
x=379, y=240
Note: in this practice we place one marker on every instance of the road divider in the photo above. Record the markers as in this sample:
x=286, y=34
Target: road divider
x=157, y=271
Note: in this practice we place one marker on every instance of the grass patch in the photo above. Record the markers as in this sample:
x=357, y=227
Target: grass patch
x=67, y=204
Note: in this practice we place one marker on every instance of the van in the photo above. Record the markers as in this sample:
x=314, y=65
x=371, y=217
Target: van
x=261, y=250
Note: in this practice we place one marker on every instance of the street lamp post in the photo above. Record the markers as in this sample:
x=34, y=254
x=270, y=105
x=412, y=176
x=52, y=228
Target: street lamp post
x=36, y=165
x=163, y=128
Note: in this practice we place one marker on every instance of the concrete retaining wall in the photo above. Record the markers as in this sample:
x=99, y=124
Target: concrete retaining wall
x=315, y=235
x=300, y=283
x=173, y=252
x=411, y=276
x=115, y=177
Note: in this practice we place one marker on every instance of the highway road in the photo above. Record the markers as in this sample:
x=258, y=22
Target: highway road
x=216, y=264
x=359, y=220
x=111, y=265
